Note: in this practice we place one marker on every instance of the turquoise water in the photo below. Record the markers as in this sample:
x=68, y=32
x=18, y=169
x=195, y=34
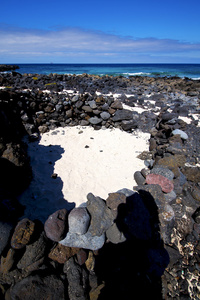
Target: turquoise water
x=153, y=70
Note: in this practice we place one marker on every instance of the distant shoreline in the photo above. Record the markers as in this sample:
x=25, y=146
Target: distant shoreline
x=4, y=68
x=156, y=70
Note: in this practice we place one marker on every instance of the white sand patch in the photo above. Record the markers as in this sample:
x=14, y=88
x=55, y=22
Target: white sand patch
x=185, y=119
x=135, y=108
x=197, y=118
x=152, y=102
x=115, y=96
x=86, y=161
x=129, y=96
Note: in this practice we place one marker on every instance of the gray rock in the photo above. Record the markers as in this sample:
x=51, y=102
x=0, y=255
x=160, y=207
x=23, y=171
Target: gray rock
x=95, y=120
x=174, y=255
x=170, y=196
x=87, y=108
x=75, y=98
x=79, y=104
x=43, y=128
x=149, y=163
x=115, y=200
x=152, y=144
x=68, y=113
x=184, y=226
x=59, y=107
x=105, y=115
x=153, y=190
x=167, y=213
x=101, y=216
x=126, y=192
x=123, y=114
x=172, y=121
x=114, y=235
x=105, y=107
x=164, y=171
x=189, y=202
x=25, y=117
x=79, y=220
x=129, y=125
x=84, y=123
x=182, y=134
x=182, y=179
x=145, y=172
x=92, y=104
x=86, y=241
x=5, y=233
x=169, y=116
x=139, y=178
x=37, y=287
x=196, y=231
x=34, y=254
x=77, y=278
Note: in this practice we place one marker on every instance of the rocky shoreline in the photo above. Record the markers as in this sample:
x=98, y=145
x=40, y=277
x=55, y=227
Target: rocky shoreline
x=141, y=242
x=5, y=68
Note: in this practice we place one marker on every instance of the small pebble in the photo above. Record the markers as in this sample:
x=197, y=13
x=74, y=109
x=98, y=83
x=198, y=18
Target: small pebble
x=54, y=175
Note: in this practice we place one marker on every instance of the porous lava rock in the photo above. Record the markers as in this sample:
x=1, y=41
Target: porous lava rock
x=22, y=234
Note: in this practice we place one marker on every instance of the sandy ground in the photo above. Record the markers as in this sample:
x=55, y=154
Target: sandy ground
x=85, y=160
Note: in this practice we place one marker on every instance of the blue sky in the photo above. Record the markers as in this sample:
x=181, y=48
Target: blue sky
x=125, y=31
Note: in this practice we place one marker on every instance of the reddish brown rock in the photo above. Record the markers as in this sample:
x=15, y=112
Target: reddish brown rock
x=22, y=233
x=62, y=253
x=117, y=104
x=81, y=256
x=8, y=261
x=166, y=185
x=56, y=225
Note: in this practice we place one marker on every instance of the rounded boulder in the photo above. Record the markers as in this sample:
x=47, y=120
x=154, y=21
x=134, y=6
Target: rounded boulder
x=79, y=220
x=56, y=225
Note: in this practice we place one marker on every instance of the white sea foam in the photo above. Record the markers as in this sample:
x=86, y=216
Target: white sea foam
x=137, y=73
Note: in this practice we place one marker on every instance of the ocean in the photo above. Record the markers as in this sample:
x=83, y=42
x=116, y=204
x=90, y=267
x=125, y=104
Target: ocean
x=181, y=70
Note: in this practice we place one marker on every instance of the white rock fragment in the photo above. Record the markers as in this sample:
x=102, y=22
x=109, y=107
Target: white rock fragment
x=182, y=134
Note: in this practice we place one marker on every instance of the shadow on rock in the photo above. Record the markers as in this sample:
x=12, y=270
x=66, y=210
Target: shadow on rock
x=134, y=267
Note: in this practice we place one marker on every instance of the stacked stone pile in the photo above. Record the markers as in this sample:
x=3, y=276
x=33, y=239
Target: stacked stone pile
x=37, y=255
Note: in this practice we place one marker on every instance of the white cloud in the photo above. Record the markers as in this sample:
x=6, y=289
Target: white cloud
x=71, y=42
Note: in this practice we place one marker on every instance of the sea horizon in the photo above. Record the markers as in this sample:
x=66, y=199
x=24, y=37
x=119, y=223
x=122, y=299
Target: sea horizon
x=188, y=70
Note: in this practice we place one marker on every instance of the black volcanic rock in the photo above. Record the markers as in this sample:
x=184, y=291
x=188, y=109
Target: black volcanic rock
x=4, y=68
